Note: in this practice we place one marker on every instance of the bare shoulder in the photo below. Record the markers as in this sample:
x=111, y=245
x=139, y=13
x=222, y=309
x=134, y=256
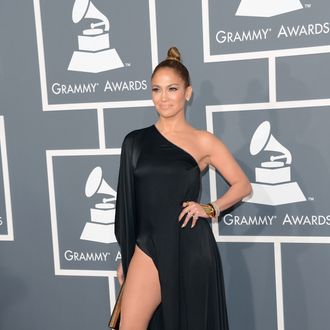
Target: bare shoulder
x=207, y=140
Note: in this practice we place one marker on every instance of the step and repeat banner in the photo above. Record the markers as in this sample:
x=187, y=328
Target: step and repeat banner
x=260, y=74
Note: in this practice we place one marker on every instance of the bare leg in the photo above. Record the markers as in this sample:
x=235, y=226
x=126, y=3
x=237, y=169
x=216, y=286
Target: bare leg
x=142, y=294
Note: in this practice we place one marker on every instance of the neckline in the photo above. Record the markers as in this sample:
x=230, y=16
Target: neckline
x=175, y=145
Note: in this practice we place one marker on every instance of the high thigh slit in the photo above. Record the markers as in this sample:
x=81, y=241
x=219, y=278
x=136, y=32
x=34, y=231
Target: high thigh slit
x=155, y=177
x=146, y=254
x=142, y=283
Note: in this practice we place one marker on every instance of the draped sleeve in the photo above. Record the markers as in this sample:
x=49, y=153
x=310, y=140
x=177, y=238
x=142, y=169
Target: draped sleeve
x=125, y=219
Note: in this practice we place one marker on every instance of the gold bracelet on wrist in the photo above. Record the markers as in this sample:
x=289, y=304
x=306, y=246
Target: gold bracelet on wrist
x=209, y=210
x=216, y=208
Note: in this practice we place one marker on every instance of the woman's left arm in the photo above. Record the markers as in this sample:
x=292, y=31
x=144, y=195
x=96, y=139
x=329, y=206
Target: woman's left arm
x=217, y=155
x=221, y=159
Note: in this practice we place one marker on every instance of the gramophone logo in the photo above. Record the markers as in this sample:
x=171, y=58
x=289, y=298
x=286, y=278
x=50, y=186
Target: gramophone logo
x=273, y=184
x=101, y=227
x=94, y=54
x=267, y=8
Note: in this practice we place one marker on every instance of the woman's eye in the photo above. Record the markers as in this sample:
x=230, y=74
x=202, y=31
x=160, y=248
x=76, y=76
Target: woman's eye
x=155, y=89
x=173, y=89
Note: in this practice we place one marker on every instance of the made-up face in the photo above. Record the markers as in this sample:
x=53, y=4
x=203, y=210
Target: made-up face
x=169, y=92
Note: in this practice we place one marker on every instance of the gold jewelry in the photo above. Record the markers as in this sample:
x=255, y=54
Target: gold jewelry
x=209, y=210
x=216, y=208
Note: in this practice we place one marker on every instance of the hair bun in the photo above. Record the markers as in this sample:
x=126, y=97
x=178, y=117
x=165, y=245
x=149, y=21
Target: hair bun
x=173, y=54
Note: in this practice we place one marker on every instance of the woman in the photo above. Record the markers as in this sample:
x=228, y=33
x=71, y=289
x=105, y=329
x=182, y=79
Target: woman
x=170, y=260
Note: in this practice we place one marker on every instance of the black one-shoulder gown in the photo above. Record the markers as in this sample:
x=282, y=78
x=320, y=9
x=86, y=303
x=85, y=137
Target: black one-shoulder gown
x=155, y=177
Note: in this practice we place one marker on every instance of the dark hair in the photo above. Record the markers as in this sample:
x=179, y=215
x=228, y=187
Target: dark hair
x=173, y=61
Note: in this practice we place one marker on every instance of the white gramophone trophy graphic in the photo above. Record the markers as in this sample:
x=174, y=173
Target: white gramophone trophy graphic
x=101, y=227
x=267, y=8
x=94, y=54
x=273, y=178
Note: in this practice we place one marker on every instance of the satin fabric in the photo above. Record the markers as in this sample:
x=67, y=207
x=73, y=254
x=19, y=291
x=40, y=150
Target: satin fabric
x=155, y=177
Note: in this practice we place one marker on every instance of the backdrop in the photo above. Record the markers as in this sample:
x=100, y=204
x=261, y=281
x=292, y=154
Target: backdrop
x=74, y=80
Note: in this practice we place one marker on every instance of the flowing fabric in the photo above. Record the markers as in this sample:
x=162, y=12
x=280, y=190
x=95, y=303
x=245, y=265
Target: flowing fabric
x=155, y=177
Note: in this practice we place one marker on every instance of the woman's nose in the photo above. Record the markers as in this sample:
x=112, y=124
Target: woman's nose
x=164, y=96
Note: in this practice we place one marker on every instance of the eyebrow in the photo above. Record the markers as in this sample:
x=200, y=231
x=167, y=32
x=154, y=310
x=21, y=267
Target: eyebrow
x=174, y=84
